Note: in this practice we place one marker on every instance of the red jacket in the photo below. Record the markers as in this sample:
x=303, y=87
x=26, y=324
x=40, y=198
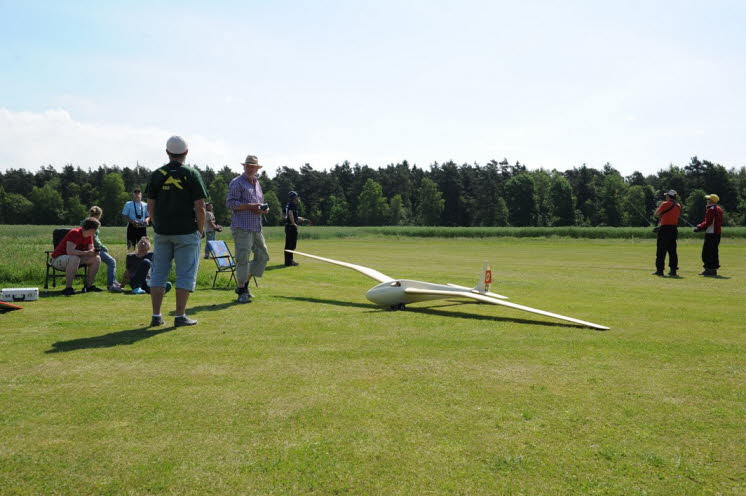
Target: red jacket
x=714, y=217
x=671, y=217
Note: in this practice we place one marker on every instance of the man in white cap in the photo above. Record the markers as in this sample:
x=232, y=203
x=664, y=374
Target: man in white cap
x=712, y=226
x=176, y=202
x=246, y=201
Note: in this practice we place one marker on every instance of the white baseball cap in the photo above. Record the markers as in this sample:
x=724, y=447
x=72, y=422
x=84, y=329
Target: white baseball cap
x=176, y=145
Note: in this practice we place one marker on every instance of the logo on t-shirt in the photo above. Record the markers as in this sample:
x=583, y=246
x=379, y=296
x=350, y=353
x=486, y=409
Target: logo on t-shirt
x=172, y=180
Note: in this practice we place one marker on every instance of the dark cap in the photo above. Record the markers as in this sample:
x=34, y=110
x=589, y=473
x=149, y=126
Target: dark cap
x=293, y=194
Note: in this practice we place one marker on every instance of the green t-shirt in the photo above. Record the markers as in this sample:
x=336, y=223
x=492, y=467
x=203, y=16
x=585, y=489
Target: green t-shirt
x=175, y=188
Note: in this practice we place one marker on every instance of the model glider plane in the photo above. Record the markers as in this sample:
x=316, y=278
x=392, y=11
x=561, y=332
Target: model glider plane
x=397, y=293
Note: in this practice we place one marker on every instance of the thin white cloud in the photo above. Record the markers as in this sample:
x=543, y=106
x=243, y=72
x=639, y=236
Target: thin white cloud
x=30, y=140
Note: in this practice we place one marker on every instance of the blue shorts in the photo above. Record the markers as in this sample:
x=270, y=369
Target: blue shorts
x=184, y=250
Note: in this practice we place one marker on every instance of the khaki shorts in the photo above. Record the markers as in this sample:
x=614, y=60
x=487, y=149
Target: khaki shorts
x=60, y=263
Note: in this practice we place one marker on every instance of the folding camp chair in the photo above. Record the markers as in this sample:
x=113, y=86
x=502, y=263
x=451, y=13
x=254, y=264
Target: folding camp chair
x=54, y=273
x=223, y=260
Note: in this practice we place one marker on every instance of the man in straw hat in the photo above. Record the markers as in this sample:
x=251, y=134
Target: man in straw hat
x=712, y=227
x=246, y=201
x=176, y=202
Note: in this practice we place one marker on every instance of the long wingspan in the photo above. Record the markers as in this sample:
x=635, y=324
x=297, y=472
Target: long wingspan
x=494, y=301
x=374, y=274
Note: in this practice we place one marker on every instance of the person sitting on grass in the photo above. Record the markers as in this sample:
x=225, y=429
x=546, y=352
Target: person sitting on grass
x=76, y=249
x=138, y=268
x=103, y=252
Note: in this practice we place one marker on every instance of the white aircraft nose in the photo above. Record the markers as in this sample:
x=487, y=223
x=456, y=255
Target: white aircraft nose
x=386, y=294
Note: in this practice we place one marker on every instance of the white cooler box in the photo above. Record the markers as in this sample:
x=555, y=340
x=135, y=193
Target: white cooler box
x=19, y=294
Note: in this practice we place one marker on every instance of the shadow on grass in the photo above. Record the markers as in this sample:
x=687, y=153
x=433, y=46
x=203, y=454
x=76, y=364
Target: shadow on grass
x=232, y=288
x=433, y=310
x=339, y=303
x=118, y=338
x=277, y=266
x=54, y=293
x=207, y=308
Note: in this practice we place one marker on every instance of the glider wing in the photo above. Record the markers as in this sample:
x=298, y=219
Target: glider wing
x=373, y=274
x=494, y=301
x=486, y=293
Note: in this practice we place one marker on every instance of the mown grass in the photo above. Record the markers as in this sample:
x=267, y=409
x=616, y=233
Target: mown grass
x=312, y=390
x=25, y=245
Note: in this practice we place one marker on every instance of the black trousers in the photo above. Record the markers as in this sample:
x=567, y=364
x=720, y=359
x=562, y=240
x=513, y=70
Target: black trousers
x=134, y=234
x=139, y=278
x=710, y=251
x=667, y=244
x=291, y=241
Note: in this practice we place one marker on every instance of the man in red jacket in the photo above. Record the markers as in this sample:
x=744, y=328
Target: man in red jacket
x=711, y=226
x=668, y=212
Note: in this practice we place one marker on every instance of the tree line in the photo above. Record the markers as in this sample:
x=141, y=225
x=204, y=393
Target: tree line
x=447, y=194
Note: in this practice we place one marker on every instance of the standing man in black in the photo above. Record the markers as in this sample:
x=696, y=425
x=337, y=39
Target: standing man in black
x=136, y=214
x=712, y=226
x=292, y=219
x=668, y=212
x=176, y=200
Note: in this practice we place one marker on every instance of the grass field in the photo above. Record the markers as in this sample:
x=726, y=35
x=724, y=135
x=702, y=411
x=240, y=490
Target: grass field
x=312, y=390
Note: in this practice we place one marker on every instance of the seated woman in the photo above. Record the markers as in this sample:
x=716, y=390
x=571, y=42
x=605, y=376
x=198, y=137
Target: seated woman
x=138, y=268
x=103, y=252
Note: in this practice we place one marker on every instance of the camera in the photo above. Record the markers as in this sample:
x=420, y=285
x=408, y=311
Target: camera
x=264, y=207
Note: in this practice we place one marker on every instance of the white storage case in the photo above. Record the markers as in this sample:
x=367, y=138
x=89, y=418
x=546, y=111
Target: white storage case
x=19, y=294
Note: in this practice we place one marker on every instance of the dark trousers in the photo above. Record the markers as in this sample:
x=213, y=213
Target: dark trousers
x=710, y=252
x=667, y=244
x=139, y=278
x=134, y=234
x=291, y=241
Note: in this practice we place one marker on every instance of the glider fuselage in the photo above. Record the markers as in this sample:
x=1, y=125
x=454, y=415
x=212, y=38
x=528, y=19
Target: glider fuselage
x=393, y=293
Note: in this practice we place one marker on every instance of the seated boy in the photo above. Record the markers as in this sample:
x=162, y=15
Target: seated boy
x=76, y=249
x=138, y=268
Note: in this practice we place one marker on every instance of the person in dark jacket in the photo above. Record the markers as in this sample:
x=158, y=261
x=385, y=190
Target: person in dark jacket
x=292, y=219
x=668, y=212
x=712, y=227
x=138, y=267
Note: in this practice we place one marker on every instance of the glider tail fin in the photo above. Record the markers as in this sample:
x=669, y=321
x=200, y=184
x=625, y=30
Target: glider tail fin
x=485, y=281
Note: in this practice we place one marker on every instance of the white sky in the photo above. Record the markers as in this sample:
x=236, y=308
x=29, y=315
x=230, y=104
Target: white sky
x=553, y=84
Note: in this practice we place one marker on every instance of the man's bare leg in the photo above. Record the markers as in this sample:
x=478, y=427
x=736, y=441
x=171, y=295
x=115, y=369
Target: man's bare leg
x=71, y=270
x=92, y=269
x=182, y=296
x=156, y=298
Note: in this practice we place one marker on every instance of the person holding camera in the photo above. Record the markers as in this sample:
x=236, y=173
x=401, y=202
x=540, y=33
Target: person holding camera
x=136, y=214
x=668, y=212
x=712, y=226
x=292, y=220
x=211, y=227
x=246, y=201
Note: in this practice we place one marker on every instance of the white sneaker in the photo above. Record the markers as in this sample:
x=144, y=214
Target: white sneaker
x=115, y=287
